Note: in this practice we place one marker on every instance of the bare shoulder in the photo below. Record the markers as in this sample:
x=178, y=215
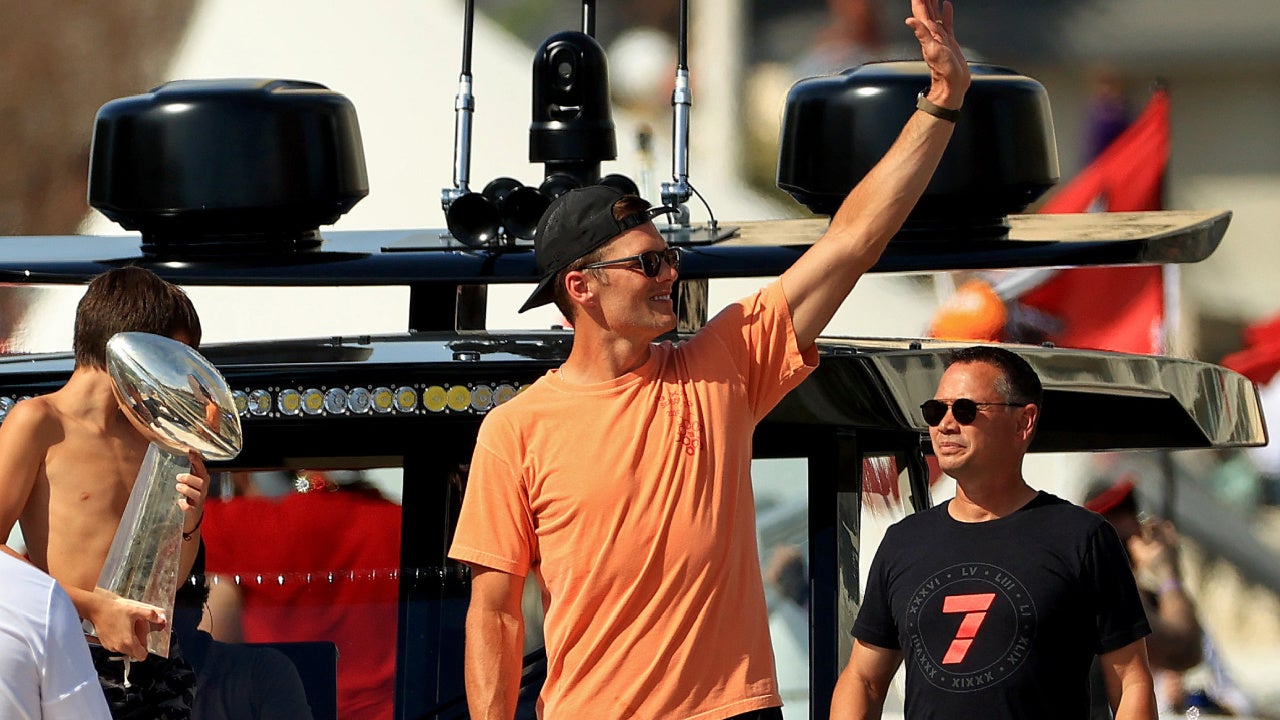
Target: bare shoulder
x=28, y=432
x=33, y=420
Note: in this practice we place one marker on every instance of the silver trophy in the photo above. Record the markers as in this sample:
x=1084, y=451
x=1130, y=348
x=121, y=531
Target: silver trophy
x=179, y=402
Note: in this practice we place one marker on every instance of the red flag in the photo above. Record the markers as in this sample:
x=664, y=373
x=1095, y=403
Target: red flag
x=1260, y=359
x=1128, y=175
x=1119, y=308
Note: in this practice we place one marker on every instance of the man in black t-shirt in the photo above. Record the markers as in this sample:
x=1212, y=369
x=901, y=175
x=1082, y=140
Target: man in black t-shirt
x=999, y=598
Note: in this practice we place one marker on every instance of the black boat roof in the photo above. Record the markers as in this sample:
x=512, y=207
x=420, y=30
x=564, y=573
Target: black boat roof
x=764, y=248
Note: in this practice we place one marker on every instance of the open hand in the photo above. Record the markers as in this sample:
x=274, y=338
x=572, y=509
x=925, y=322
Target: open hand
x=934, y=27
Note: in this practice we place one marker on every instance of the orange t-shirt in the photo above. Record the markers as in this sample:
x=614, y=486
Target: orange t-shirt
x=631, y=501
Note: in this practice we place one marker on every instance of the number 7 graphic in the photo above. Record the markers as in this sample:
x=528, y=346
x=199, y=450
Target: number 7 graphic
x=975, y=609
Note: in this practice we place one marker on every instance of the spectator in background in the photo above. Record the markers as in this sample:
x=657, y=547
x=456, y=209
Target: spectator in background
x=1107, y=113
x=1152, y=544
x=1177, y=642
x=45, y=671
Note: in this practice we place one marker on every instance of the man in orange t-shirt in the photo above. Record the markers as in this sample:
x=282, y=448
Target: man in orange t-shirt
x=621, y=480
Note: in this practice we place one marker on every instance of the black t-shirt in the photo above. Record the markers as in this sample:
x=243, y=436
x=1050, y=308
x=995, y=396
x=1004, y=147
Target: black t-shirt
x=1001, y=618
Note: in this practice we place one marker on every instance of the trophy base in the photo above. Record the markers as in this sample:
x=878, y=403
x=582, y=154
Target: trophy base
x=146, y=553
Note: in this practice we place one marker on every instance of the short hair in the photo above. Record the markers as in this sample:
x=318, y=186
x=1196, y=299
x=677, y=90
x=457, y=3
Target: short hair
x=626, y=206
x=130, y=299
x=1018, y=382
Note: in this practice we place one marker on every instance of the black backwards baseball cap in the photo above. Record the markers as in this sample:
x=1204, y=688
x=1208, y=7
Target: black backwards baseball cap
x=576, y=223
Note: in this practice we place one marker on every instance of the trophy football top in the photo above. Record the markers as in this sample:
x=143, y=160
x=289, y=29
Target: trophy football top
x=173, y=395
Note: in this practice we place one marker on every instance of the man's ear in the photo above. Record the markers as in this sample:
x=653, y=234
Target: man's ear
x=1028, y=421
x=578, y=288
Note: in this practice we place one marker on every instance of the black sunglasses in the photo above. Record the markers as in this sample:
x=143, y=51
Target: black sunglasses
x=650, y=262
x=963, y=410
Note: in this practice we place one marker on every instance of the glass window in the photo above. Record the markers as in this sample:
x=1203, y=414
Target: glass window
x=886, y=499
x=781, y=489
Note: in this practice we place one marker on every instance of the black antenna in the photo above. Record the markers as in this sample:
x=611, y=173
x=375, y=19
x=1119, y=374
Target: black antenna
x=679, y=191
x=589, y=17
x=464, y=106
x=682, y=58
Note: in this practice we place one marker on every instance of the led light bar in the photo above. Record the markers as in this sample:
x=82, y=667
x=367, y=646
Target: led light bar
x=289, y=401
x=461, y=399
x=313, y=401
x=262, y=402
x=360, y=400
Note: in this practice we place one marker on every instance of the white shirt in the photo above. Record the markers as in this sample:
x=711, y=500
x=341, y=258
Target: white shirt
x=45, y=670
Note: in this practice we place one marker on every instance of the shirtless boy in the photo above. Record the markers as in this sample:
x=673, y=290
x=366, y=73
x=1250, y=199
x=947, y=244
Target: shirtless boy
x=68, y=461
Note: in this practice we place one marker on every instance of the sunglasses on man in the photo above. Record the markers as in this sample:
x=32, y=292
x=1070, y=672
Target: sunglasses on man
x=964, y=410
x=650, y=262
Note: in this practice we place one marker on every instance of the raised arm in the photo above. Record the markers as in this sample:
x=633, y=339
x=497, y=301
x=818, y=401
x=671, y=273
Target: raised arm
x=876, y=208
x=1176, y=635
x=494, y=644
